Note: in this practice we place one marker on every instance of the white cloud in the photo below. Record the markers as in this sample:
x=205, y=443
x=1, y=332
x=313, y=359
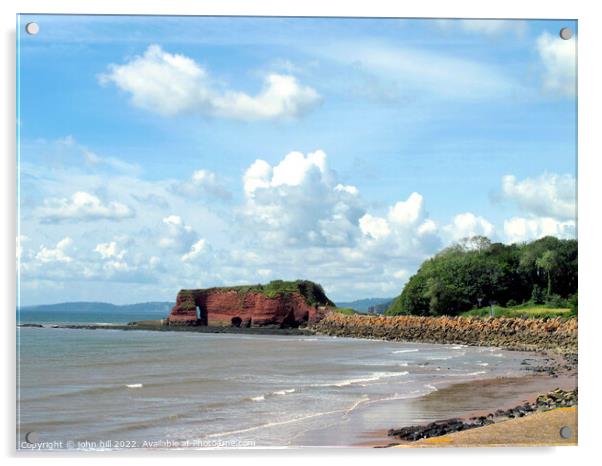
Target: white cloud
x=404, y=233
x=467, y=225
x=548, y=195
x=109, y=250
x=518, y=229
x=281, y=96
x=374, y=227
x=180, y=237
x=558, y=58
x=56, y=254
x=171, y=84
x=298, y=201
x=195, y=250
x=203, y=182
x=81, y=207
x=407, y=212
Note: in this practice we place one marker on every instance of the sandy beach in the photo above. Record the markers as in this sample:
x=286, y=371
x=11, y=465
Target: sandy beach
x=539, y=429
x=480, y=398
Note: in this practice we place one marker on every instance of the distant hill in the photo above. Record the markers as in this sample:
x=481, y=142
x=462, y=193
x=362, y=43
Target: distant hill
x=92, y=307
x=364, y=305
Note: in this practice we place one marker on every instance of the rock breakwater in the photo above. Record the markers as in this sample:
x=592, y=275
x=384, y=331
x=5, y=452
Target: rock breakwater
x=558, y=335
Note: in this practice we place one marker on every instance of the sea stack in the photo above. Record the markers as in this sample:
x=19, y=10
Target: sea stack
x=279, y=303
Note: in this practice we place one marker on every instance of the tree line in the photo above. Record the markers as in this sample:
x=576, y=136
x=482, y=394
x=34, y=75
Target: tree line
x=476, y=272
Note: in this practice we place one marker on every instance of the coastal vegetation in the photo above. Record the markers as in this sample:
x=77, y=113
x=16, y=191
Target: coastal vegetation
x=528, y=279
x=527, y=310
x=345, y=311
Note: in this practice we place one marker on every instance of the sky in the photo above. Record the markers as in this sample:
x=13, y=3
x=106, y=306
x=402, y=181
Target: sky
x=160, y=153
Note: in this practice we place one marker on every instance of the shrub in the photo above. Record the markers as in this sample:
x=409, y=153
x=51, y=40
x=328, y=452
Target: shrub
x=573, y=304
x=556, y=301
x=537, y=295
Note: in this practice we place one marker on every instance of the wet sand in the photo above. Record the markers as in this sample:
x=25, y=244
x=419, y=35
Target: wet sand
x=462, y=400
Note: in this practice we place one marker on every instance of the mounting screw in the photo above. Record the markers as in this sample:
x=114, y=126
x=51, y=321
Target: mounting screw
x=32, y=28
x=566, y=33
x=565, y=432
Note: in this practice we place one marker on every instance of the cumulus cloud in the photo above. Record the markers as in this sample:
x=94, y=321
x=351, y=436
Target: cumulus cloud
x=404, y=232
x=518, y=229
x=82, y=207
x=548, y=195
x=56, y=254
x=558, y=58
x=374, y=227
x=114, y=258
x=180, y=237
x=298, y=201
x=467, y=225
x=109, y=250
x=171, y=84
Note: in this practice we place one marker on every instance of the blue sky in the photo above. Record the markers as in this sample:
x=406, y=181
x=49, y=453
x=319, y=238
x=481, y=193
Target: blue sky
x=165, y=152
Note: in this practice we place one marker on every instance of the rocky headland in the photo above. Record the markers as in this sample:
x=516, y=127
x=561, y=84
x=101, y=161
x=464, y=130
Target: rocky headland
x=278, y=303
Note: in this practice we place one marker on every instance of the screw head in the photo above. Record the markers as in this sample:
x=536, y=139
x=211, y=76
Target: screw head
x=32, y=437
x=32, y=28
x=565, y=432
x=566, y=33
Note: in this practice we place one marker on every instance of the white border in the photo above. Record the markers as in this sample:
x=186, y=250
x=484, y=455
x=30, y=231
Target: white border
x=590, y=132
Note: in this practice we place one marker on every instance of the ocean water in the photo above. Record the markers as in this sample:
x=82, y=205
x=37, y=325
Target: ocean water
x=83, y=317
x=137, y=389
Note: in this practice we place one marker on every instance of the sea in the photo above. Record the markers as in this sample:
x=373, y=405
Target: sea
x=82, y=389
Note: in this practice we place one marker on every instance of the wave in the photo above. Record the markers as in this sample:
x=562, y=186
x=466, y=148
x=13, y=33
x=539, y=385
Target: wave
x=357, y=403
x=134, y=385
x=284, y=392
x=372, y=378
x=272, y=424
x=415, y=350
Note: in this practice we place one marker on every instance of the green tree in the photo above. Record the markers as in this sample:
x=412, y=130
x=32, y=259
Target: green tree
x=547, y=262
x=455, y=279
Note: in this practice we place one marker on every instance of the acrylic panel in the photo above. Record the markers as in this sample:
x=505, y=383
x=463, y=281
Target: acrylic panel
x=260, y=232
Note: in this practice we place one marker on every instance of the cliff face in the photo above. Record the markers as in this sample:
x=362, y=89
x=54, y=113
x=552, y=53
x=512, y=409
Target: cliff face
x=283, y=304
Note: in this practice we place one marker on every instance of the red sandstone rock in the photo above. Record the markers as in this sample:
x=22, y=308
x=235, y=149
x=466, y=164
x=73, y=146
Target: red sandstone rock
x=225, y=307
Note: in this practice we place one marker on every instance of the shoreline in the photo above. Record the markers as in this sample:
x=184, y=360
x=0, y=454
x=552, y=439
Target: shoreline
x=156, y=326
x=501, y=394
x=487, y=395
